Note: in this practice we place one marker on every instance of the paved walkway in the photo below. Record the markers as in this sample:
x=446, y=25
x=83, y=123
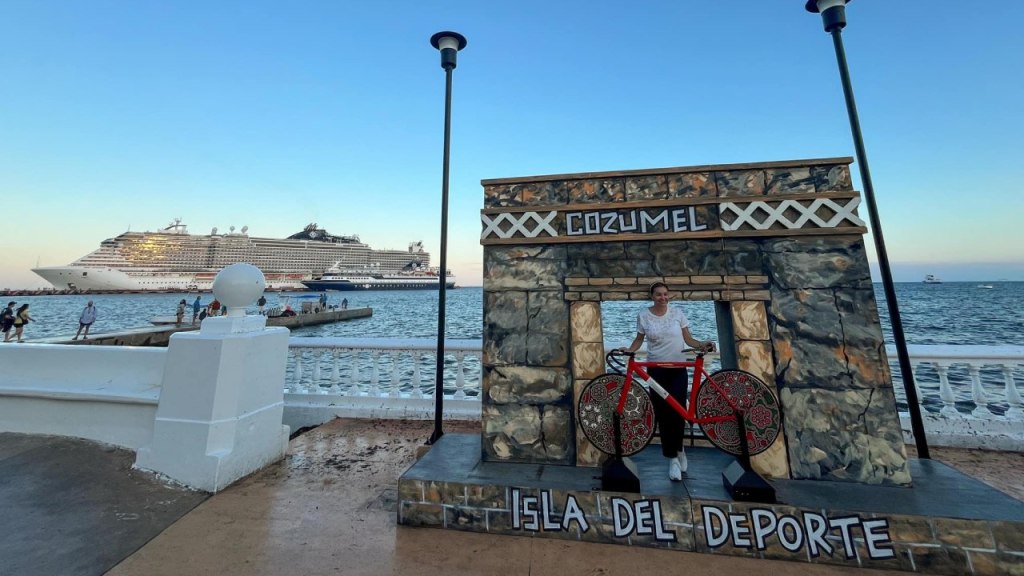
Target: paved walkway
x=72, y=507
x=329, y=508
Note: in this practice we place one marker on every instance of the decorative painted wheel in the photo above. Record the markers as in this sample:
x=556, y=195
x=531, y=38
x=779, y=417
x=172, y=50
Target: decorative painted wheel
x=597, y=404
x=763, y=419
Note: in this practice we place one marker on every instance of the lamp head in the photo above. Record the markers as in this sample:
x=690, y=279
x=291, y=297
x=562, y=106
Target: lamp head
x=449, y=43
x=833, y=12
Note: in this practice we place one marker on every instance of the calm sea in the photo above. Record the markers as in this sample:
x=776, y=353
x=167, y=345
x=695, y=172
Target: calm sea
x=949, y=313
x=988, y=313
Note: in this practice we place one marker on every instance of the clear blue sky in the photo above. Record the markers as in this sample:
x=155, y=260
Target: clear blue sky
x=277, y=114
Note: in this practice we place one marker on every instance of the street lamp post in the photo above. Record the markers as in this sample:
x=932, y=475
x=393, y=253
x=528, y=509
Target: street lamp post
x=833, y=15
x=449, y=44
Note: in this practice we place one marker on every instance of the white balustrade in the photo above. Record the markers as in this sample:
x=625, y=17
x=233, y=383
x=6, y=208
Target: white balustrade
x=964, y=390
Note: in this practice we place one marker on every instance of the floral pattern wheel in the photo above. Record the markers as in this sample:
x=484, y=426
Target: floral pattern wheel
x=597, y=404
x=763, y=419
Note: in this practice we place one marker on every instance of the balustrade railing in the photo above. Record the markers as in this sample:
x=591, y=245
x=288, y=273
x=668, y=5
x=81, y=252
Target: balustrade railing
x=965, y=391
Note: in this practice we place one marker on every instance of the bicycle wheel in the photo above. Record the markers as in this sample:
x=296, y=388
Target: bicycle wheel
x=597, y=404
x=763, y=419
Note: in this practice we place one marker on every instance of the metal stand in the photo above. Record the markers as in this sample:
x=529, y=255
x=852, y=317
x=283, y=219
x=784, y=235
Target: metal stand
x=618, y=474
x=740, y=480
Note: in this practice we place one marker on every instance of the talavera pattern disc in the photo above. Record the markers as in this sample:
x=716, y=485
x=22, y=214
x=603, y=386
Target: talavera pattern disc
x=597, y=403
x=763, y=419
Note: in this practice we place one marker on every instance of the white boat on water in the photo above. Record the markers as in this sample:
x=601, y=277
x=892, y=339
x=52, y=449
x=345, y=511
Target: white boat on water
x=415, y=276
x=932, y=279
x=174, y=259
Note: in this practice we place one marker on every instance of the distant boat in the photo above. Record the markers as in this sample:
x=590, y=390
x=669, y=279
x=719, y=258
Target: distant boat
x=932, y=279
x=985, y=286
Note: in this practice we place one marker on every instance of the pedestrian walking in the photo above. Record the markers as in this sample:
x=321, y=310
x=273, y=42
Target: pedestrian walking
x=7, y=320
x=21, y=318
x=179, y=313
x=196, y=307
x=85, y=320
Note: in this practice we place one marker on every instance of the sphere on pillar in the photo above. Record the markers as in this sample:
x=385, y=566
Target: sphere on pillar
x=237, y=286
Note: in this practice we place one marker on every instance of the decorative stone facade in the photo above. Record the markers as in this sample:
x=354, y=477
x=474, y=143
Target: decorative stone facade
x=780, y=242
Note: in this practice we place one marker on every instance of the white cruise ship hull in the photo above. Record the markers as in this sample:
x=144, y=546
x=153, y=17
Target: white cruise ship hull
x=111, y=279
x=347, y=284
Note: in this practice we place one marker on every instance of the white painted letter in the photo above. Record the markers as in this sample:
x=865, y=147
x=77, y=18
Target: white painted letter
x=844, y=525
x=679, y=220
x=623, y=525
x=762, y=529
x=660, y=533
x=817, y=526
x=660, y=217
x=545, y=513
x=643, y=517
x=573, y=512
x=570, y=229
x=738, y=522
x=694, y=227
x=516, y=503
x=530, y=512
x=798, y=533
x=609, y=222
x=879, y=544
x=631, y=227
x=714, y=541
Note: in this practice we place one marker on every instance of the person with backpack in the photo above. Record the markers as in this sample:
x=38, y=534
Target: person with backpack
x=7, y=320
x=21, y=318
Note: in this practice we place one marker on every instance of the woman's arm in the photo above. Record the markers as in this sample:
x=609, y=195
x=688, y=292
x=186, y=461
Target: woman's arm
x=637, y=342
x=705, y=345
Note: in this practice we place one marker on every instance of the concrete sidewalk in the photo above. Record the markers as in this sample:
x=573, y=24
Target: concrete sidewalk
x=71, y=506
x=329, y=508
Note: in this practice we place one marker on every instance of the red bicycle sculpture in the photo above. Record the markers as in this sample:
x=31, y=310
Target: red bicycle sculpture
x=738, y=413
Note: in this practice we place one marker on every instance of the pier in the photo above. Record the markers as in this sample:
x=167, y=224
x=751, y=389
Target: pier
x=160, y=335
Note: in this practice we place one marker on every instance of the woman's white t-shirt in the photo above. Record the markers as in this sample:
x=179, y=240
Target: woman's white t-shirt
x=663, y=334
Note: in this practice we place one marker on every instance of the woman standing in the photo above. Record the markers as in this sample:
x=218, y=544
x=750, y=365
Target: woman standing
x=179, y=313
x=667, y=332
x=21, y=317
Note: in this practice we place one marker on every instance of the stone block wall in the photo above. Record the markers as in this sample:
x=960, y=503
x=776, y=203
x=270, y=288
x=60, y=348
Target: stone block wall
x=780, y=242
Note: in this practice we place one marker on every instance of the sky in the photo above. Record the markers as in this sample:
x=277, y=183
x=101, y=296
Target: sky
x=118, y=115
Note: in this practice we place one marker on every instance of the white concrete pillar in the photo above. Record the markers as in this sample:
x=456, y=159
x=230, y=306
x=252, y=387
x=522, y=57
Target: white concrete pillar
x=222, y=398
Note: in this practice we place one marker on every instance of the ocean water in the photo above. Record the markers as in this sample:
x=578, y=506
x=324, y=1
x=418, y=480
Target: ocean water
x=949, y=313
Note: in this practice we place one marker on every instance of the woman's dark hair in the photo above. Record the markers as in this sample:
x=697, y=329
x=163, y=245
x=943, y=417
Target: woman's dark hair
x=22, y=307
x=655, y=286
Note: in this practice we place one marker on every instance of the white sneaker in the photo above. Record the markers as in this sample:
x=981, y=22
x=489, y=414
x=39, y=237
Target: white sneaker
x=681, y=457
x=675, y=473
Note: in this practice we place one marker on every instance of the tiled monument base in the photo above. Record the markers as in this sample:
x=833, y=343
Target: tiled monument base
x=947, y=523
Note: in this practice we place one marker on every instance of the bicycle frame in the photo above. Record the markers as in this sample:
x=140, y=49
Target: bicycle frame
x=700, y=377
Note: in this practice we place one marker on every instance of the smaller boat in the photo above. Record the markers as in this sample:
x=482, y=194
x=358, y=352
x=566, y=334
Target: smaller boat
x=987, y=286
x=932, y=279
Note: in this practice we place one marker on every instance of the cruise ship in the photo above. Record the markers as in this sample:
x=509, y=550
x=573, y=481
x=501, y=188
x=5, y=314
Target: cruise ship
x=173, y=259
x=415, y=276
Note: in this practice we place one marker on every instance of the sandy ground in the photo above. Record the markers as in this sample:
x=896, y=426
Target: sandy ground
x=329, y=508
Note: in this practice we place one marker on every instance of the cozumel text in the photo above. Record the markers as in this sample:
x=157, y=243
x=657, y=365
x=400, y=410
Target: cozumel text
x=642, y=221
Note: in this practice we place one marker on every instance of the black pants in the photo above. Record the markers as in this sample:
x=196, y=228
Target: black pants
x=676, y=382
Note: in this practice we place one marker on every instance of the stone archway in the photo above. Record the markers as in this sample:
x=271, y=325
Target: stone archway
x=778, y=246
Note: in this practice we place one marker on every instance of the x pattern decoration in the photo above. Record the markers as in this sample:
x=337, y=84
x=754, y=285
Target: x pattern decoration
x=518, y=223
x=761, y=215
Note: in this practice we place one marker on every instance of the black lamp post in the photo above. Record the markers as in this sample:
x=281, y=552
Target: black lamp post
x=833, y=15
x=449, y=43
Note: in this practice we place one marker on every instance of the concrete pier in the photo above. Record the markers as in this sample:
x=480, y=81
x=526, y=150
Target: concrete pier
x=161, y=335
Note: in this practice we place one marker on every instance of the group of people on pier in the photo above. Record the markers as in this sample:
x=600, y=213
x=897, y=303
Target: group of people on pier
x=11, y=319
